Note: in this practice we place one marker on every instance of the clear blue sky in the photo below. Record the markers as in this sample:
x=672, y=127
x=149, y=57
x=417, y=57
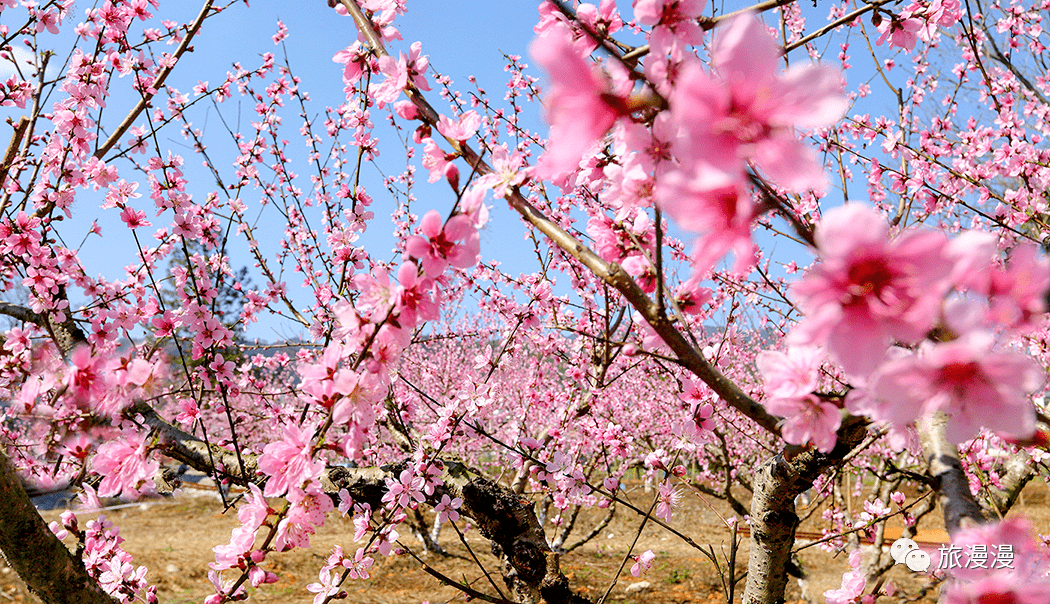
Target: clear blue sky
x=461, y=38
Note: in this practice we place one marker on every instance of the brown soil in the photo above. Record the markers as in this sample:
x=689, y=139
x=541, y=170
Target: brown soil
x=174, y=538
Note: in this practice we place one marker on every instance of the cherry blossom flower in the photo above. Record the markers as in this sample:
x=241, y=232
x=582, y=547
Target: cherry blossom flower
x=853, y=582
x=446, y=509
x=901, y=32
x=289, y=461
x=580, y=106
x=1001, y=587
x=1016, y=291
x=353, y=58
x=404, y=491
x=1023, y=579
x=746, y=112
x=669, y=498
x=967, y=379
x=124, y=467
x=699, y=397
x=790, y=375
x=400, y=73
x=602, y=20
x=434, y=159
x=711, y=202
x=306, y=513
x=869, y=291
x=507, y=172
x=808, y=419
x=327, y=585
x=237, y=551
x=643, y=562
x=359, y=565
x=455, y=243
x=462, y=129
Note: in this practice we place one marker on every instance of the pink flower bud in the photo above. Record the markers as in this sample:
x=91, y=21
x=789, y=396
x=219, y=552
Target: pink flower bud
x=452, y=175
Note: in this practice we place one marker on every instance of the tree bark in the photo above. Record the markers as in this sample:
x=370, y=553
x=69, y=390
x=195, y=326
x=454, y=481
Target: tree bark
x=48, y=568
x=773, y=520
x=953, y=489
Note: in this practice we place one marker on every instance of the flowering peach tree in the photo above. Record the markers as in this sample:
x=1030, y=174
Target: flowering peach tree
x=776, y=250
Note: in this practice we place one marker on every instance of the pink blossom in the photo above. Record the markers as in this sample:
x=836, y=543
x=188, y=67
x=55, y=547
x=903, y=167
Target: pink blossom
x=254, y=510
x=462, y=129
x=87, y=376
x=747, y=113
x=699, y=396
x=790, y=375
x=307, y=512
x=400, y=73
x=669, y=498
x=359, y=565
x=665, y=12
x=853, y=583
x=1016, y=533
x=289, y=461
x=442, y=245
x=434, y=159
x=327, y=585
x=713, y=203
x=1016, y=292
x=643, y=563
x=417, y=301
x=808, y=419
x=353, y=58
x=602, y=20
x=446, y=509
x=900, y=31
x=966, y=378
x=869, y=291
x=1020, y=579
x=404, y=491
x=124, y=467
x=507, y=172
x=999, y=589
x=237, y=551
x=580, y=106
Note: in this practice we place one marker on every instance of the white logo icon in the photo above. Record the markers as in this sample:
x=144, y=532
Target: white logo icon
x=900, y=548
x=917, y=560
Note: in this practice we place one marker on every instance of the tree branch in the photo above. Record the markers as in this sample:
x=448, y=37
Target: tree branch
x=773, y=520
x=611, y=273
x=953, y=489
x=147, y=97
x=67, y=334
x=502, y=516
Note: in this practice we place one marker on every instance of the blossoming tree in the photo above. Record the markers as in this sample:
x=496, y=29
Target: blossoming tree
x=660, y=330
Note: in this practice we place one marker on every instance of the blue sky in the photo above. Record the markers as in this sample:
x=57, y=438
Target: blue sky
x=461, y=38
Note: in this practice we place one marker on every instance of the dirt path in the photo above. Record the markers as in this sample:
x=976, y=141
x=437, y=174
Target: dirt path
x=174, y=538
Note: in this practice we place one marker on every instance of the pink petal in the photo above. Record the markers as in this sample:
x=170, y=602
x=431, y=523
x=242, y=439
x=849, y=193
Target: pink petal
x=744, y=51
x=810, y=96
x=431, y=224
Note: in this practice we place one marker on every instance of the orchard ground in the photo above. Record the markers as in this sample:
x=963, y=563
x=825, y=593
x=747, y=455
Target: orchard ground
x=173, y=537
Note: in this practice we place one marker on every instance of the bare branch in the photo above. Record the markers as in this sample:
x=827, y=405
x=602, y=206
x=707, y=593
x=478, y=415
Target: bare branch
x=162, y=75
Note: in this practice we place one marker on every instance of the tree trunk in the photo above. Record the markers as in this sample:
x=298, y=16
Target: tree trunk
x=48, y=568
